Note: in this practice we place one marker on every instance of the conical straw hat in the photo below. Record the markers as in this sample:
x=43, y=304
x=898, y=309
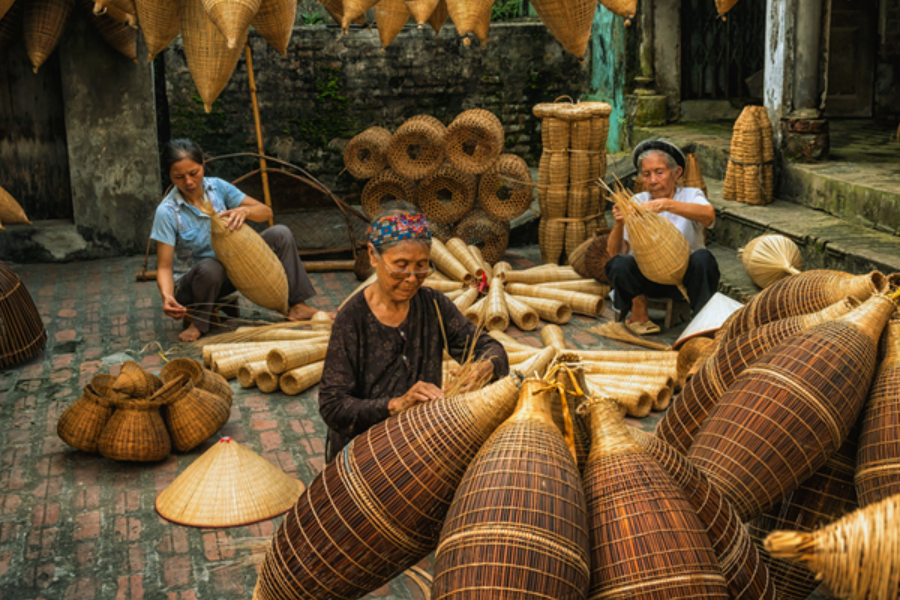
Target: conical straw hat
x=710, y=318
x=229, y=485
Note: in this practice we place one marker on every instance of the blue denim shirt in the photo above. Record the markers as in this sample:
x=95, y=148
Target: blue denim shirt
x=186, y=228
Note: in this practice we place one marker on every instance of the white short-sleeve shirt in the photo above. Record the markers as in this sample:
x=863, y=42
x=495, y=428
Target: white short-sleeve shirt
x=692, y=230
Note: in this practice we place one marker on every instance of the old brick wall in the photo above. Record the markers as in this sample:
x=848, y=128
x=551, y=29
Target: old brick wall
x=887, y=75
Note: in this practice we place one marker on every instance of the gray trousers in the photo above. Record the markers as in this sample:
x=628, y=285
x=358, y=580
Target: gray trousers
x=204, y=285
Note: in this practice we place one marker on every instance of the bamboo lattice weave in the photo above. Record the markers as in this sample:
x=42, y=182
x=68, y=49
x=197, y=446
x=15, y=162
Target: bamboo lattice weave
x=446, y=195
x=474, y=139
x=478, y=229
x=232, y=17
x=505, y=192
x=118, y=35
x=44, y=22
x=192, y=414
x=160, y=23
x=421, y=10
x=365, y=156
x=275, y=21
x=22, y=332
x=385, y=187
x=135, y=432
x=416, y=149
x=81, y=424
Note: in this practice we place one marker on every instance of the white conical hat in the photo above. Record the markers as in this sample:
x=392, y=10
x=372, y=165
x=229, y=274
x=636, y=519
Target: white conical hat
x=710, y=318
x=228, y=485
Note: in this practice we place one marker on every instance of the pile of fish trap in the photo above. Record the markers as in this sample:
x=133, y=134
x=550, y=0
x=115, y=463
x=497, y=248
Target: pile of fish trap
x=750, y=176
x=574, y=158
x=137, y=416
x=794, y=419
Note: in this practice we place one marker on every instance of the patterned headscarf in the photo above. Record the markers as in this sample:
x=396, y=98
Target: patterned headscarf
x=396, y=228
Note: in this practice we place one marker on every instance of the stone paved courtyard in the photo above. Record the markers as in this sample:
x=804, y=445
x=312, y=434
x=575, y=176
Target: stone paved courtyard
x=78, y=526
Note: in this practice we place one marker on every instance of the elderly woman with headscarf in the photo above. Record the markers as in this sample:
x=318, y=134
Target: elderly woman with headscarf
x=660, y=164
x=386, y=349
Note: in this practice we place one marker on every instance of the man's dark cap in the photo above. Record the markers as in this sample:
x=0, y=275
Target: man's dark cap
x=661, y=145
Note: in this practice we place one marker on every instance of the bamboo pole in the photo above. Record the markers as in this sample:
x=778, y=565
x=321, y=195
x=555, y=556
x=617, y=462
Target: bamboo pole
x=267, y=196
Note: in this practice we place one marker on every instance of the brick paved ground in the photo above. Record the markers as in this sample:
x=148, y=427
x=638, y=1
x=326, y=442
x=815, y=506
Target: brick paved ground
x=77, y=526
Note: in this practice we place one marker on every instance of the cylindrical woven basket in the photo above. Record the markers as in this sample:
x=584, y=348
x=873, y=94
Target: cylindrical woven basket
x=267, y=381
x=44, y=22
x=636, y=402
x=540, y=274
x=525, y=317
x=81, y=424
x=22, y=332
x=281, y=360
x=160, y=22
x=474, y=140
x=496, y=313
x=476, y=313
x=417, y=148
x=192, y=415
x=246, y=375
x=302, y=378
x=478, y=229
x=586, y=304
x=447, y=262
x=693, y=174
x=770, y=258
x=274, y=335
x=552, y=335
x=446, y=195
x=210, y=351
x=593, y=262
x=232, y=17
x=475, y=251
x=135, y=432
x=506, y=191
x=585, y=286
x=387, y=186
x=552, y=240
x=275, y=22
x=466, y=300
x=443, y=286
x=365, y=156
x=461, y=252
x=553, y=311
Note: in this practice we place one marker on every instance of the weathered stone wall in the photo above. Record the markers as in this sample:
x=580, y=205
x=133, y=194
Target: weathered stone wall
x=331, y=87
x=887, y=75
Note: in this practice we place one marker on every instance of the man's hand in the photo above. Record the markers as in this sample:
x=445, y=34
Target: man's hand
x=422, y=391
x=660, y=205
x=172, y=308
x=235, y=217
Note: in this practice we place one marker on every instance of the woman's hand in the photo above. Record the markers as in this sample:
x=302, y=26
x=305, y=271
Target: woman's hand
x=617, y=215
x=658, y=206
x=422, y=391
x=477, y=373
x=235, y=217
x=172, y=308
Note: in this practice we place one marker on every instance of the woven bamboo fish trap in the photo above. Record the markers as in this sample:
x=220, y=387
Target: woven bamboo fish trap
x=246, y=375
x=378, y=508
x=446, y=195
x=206, y=50
x=586, y=304
x=826, y=496
x=470, y=16
x=275, y=21
x=227, y=486
x=800, y=294
x=475, y=251
x=10, y=32
x=443, y=286
x=646, y=538
x=439, y=17
x=693, y=174
x=570, y=380
x=353, y=10
x=192, y=415
x=301, y=379
x=365, y=156
x=635, y=402
x=858, y=557
x=160, y=23
x=421, y=10
x=442, y=231
x=100, y=6
x=575, y=234
x=656, y=370
x=135, y=432
x=476, y=313
x=44, y=22
x=22, y=332
x=447, y=262
x=474, y=139
x=274, y=335
x=749, y=177
x=505, y=191
x=698, y=398
x=267, y=381
x=745, y=573
x=391, y=16
x=134, y=381
x=461, y=252
x=525, y=317
x=552, y=311
x=552, y=335
x=228, y=366
x=541, y=274
x=81, y=424
x=770, y=258
x=232, y=17
x=117, y=15
x=416, y=149
x=623, y=8
x=586, y=286
x=478, y=229
x=321, y=321
x=11, y=211
x=466, y=300
x=335, y=8
x=723, y=6
x=117, y=34
x=510, y=532
x=281, y=360
x=552, y=240
x=387, y=186
x=249, y=263
x=801, y=398
x=596, y=255
x=878, y=461
x=209, y=351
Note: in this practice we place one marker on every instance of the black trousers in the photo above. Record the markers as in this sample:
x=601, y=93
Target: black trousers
x=200, y=288
x=701, y=281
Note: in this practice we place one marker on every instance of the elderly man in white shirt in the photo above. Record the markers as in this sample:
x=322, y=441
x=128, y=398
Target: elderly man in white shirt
x=660, y=164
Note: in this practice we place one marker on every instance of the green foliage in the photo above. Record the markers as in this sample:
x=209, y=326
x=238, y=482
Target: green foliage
x=330, y=118
x=312, y=18
x=506, y=10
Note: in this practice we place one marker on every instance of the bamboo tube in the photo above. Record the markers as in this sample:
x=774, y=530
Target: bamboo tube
x=454, y=294
x=502, y=267
x=476, y=253
x=586, y=286
x=475, y=313
x=443, y=286
x=210, y=349
x=228, y=366
x=552, y=335
x=541, y=274
x=460, y=251
x=627, y=356
x=509, y=344
x=372, y=278
x=438, y=276
x=275, y=335
x=586, y=304
x=525, y=317
x=267, y=381
x=448, y=263
x=466, y=300
x=321, y=321
x=248, y=372
x=536, y=366
x=553, y=311
x=496, y=314
x=658, y=387
x=302, y=378
x=281, y=359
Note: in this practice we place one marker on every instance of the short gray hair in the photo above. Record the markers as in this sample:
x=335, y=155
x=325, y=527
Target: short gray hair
x=395, y=207
x=670, y=160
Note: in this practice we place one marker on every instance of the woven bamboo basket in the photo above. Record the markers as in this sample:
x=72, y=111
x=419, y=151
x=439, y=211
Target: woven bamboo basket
x=635, y=402
x=439, y=17
x=466, y=300
x=461, y=252
x=446, y=195
x=378, y=508
x=770, y=258
x=509, y=533
x=134, y=381
x=386, y=187
x=802, y=398
x=249, y=263
x=552, y=311
x=135, y=432
x=505, y=191
x=203, y=379
x=552, y=240
x=302, y=378
x=732, y=180
x=335, y=8
x=22, y=332
x=82, y=422
x=160, y=23
x=206, y=50
x=510, y=344
x=454, y=294
x=552, y=335
x=878, y=461
x=585, y=286
x=646, y=538
x=227, y=363
x=447, y=262
x=475, y=251
x=666, y=371
x=353, y=10
x=470, y=16
x=496, y=313
x=117, y=34
x=693, y=174
x=623, y=8
x=223, y=350
x=417, y=148
x=745, y=573
x=275, y=22
x=857, y=556
x=501, y=267
x=421, y=10
x=826, y=496
x=281, y=360
x=267, y=381
x=517, y=358
x=275, y=335
x=575, y=235
x=478, y=229
x=365, y=156
x=192, y=415
x=232, y=17
x=569, y=22
x=44, y=22
x=525, y=317
x=541, y=274
x=476, y=313
x=11, y=211
x=586, y=304
x=246, y=375
x=475, y=138
x=443, y=286
x=800, y=294
x=595, y=258
x=618, y=386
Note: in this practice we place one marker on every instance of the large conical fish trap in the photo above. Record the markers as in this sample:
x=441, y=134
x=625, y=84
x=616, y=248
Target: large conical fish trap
x=274, y=22
x=365, y=156
x=770, y=258
x=232, y=17
x=44, y=23
x=160, y=23
x=21, y=326
x=387, y=186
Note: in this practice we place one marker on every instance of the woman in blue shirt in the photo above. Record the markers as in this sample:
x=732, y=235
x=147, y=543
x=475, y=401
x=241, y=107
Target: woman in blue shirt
x=188, y=273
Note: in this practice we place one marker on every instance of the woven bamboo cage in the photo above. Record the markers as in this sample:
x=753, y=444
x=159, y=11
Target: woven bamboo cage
x=281, y=360
x=749, y=177
x=417, y=148
x=552, y=335
x=353, y=10
x=800, y=294
x=203, y=379
x=22, y=332
x=249, y=263
x=745, y=573
x=335, y=8
x=229, y=365
x=693, y=354
x=858, y=556
x=646, y=538
x=693, y=174
x=461, y=252
x=120, y=36
x=476, y=313
x=505, y=191
x=160, y=23
x=191, y=414
x=379, y=506
x=585, y=286
x=698, y=398
x=590, y=258
x=466, y=300
x=770, y=258
x=553, y=311
x=474, y=139
x=387, y=186
x=275, y=21
x=302, y=378
x=421, y=10
x=802, y=398
x=44, y=22
x=878, y=461
x=11, y=211
x=439, y=17
x=447, y=262
x=826, y=496
x=232, y=17
x=470, y=16
x=540, y=274
x=206, y=50
x=569, y=22
x=478, y=229
x=82, y=422
x=246, y=375
x=586, y=304
x=521, y=537
x=525, y=317
x=446, y=195
x=135, y=432
x=134, y=381
x=496, y=313
x=365, y=156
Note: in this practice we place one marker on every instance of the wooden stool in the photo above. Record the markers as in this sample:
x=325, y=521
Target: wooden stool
x=228, y=305
x=672, y=308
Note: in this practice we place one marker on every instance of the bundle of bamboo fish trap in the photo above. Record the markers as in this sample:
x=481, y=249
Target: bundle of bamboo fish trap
x=749, y=177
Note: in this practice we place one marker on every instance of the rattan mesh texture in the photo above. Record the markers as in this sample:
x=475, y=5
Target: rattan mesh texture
x=274, y=22
x=386, y=187
x=506, y=191
x=365, y=156
x=232, y=17
x=44, y=22
x=21, y=326
x=416, y=149
x=474, y=140
x=446, y=195
x=160, y=22
x=478, y=229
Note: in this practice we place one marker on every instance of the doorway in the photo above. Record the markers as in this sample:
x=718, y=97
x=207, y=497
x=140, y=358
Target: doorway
x=853, y=40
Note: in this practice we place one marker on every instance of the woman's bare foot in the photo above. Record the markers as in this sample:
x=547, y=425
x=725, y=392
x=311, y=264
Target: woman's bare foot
x=191, y=334
x=301, y=312
x=639, y=312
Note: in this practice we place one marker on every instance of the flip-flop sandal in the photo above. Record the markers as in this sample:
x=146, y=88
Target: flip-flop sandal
x=643, y=328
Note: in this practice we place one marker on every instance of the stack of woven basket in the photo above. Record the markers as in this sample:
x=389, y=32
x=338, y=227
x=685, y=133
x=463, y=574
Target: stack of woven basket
x=456, y=175
x=574, y=158
x=137, y=416
x=749, y=177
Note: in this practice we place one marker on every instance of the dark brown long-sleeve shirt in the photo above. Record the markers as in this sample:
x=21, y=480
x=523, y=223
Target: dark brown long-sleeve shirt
x=369, y=363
